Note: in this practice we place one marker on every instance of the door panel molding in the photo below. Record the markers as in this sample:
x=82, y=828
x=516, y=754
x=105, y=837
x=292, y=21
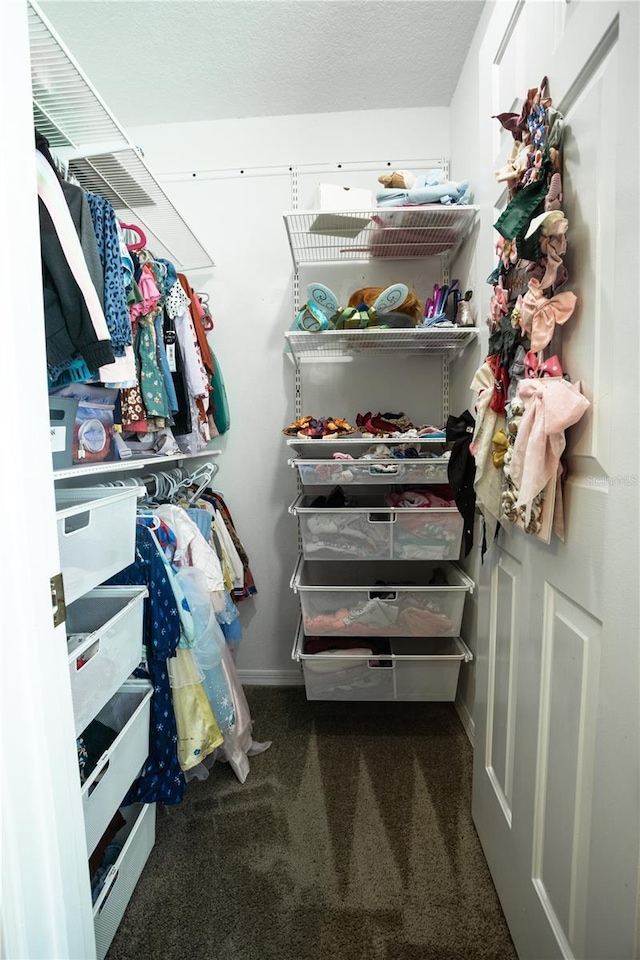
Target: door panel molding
x=569, y=682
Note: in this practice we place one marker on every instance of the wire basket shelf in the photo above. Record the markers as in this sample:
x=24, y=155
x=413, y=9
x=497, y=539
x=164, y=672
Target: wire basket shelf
x=398, y=233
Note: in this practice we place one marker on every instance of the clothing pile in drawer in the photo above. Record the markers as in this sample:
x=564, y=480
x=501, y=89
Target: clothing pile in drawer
x=417, y=533
x=387, y=612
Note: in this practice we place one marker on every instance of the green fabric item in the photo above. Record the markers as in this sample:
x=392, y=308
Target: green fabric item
x=506, y=340
x=221, y=416
x=517, y=215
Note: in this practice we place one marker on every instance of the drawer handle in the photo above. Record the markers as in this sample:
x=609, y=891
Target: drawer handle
x=97, y=776
x=382, y=663
x=388, y=596
x=382, y=518
x=112, y=882
x=386, y=472
x=77, y=522
x=87, y=656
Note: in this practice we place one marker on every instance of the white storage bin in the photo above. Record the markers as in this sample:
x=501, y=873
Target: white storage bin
x=376, y=598
x=120, y=882
x=96, y=535
x=431, y=470
x=333, y=196
x=367, y=529
x=414, y=669
x=102, y=792
x=104, y=630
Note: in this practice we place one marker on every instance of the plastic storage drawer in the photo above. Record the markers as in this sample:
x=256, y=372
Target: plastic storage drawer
x=127, y=712
x=342, y=472
x=96, y=535
x=104, y=631
x=424, y=670
x=369, y=530
x=375, y=598
x=139, y=837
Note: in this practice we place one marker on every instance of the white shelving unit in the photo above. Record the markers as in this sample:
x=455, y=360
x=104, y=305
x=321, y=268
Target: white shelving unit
x=135, y=463
x=446, y=342
x=87, y=140
x=389, y=233
x=339, y=567
x=84, y=134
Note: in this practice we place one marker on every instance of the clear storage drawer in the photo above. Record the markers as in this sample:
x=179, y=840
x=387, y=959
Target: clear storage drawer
x=342, y=472
x=127, y=713
x=139, y=836
x=104, y=642
x=373, y=598
x=367, y=529
x=413, y=669
x=96, y=535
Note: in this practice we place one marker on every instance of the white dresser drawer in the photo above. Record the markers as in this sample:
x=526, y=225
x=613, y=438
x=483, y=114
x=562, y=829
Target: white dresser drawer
x=104, y=631
x=107, y=784
x=121, y=880
x=96, y=535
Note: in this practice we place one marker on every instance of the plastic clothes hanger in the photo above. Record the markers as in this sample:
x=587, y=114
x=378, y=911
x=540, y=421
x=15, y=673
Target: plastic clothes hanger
x=209, y=471
x=133, y=228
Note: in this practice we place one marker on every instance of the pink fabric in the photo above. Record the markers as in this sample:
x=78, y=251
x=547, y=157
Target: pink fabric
x=538, y=315
x=550, y=407
x=549, y=368
x=554, y=246
x=149, y=293
x=499, y=305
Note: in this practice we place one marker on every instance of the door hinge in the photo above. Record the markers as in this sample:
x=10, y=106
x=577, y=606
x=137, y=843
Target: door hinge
x=57, y=600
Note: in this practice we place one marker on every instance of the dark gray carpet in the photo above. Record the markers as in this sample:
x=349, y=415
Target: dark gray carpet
x=352, y=839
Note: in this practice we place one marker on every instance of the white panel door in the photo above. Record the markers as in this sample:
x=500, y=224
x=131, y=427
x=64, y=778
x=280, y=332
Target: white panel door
x=556, y=798
x=46, y=898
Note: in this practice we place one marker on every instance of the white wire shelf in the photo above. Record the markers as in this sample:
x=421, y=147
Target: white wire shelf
x=134, y=463
x=84, y=134
x=386, y=233
x=304, y=444
x=340, y=345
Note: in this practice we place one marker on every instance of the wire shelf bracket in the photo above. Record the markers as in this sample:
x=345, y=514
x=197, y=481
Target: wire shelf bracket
x=84, y=135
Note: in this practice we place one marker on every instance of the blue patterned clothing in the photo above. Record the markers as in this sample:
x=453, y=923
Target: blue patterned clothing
x=115, y=297
x=161, y=779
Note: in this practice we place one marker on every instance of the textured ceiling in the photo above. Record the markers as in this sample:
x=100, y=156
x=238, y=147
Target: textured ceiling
x=172, y=60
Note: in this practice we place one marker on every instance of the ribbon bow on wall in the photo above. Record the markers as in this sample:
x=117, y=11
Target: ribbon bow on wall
x=548, y=368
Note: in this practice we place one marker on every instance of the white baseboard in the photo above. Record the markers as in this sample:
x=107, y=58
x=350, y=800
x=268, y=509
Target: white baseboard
x=271, y=678
x=466, y=720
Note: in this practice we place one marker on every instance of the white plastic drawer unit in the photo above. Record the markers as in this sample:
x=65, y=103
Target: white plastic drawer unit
x=368, y=529
x=104, y=644
x=412, y=669
x=381, y=598
x=96, y=535
x=127, y=713
x=323, y=472
x=139, y=836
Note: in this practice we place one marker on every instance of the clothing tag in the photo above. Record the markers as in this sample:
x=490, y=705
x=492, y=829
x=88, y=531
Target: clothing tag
x=58, y=439
x=171, y=357
x=170, y=336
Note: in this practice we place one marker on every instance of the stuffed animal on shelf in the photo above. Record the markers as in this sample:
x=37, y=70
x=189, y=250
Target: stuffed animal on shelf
x=401, y=179
x=410, y=305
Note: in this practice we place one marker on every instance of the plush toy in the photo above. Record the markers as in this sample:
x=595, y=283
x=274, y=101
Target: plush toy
x=400, y=179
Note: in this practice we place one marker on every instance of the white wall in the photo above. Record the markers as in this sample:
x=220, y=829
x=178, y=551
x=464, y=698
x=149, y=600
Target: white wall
x=239, y=219
x=471, y=153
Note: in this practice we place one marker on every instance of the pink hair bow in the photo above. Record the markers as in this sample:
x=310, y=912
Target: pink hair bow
x=549, y=368
x=538, y=315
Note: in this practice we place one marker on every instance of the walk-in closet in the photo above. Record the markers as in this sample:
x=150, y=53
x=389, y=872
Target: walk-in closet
x=320, y=596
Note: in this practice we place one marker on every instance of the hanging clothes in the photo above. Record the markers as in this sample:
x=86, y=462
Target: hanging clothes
x=162, y=779
x=74, y=320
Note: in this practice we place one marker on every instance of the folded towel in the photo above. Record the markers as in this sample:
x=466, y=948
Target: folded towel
x=445, y=193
